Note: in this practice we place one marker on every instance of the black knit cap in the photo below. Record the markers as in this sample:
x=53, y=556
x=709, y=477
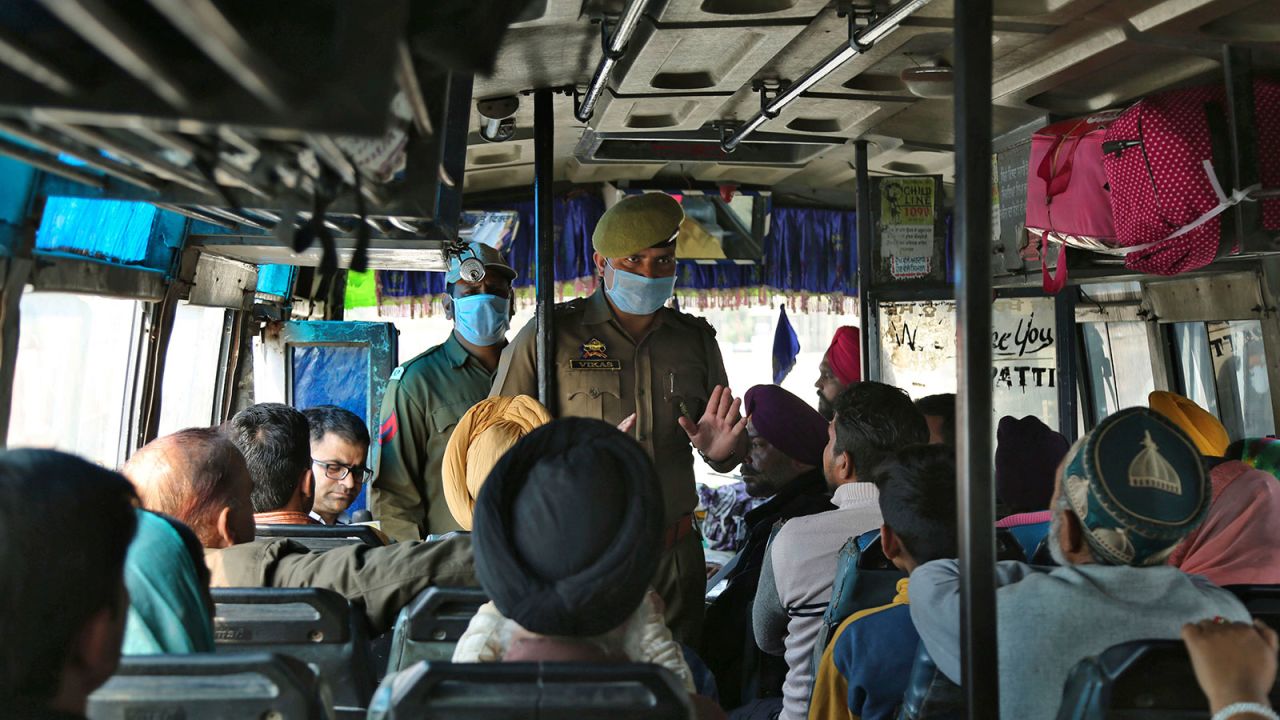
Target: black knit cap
x=568, y=529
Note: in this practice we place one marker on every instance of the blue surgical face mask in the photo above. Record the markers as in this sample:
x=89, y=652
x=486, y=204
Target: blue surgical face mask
x=482, y=319
x=639, y=295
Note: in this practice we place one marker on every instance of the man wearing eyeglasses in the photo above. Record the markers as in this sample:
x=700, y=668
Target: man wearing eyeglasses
x=339, y=448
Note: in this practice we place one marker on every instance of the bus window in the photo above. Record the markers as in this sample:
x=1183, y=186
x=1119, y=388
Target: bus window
x=918, y=346
x=1024, y=359
x=1119, y=362
x=191, y=368
x=1195, y=365
x=73, y=387
x=1240, y=377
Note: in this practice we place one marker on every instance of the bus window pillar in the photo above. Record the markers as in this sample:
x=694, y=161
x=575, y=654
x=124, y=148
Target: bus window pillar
x=544, y=228
x=868, y=320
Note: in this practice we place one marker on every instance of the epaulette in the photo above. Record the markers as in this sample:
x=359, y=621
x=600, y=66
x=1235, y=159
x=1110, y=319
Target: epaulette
x=696, y=321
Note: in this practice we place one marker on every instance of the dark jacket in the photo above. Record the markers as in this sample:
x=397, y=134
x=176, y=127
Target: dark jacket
x=742, y=671
x=378, y=580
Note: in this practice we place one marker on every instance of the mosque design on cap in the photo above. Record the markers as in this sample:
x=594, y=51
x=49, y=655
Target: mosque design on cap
x=1149, y=469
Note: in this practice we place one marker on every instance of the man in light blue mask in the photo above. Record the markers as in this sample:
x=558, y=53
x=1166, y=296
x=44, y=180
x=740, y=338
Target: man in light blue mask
x=622, y=356
x=428, y=394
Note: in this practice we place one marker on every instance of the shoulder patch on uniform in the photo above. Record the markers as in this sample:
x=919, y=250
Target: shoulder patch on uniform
x=697, y=322
x=390, y=427
x=397, y=373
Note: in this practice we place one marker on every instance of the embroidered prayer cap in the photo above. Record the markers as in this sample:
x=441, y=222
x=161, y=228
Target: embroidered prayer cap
x=486, y=254
x=1205, y=430
x=638, y=222
x=1027, y=457
x=482, y=436
x=568, y=529
x=1262, y=454
x=844, y=356
x=1138, y=485
x=787, y=422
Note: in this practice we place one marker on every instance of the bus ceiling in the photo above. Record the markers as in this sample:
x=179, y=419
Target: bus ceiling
x=365, y=127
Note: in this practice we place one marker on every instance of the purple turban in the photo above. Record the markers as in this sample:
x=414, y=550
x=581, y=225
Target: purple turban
x=1027, y=457
x=787, y=422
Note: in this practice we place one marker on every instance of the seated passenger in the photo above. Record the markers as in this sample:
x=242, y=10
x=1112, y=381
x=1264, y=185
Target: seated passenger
x=784, y=465
x=1239, y=542
x=840, y=368
x=873, y=420
x=482, y=437
x=339, y=451
x=567, y=559
x=1127, y=493
x=865, y=670
x=940, y=412
x=724, y=525
x=1027, y=457
x=199, y=477
x=65, y=527
x=276, y=444
x=1260, y=454
x=170, y=609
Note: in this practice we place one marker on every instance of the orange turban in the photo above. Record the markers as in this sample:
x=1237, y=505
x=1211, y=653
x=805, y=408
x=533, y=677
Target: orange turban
x=483, y=435
x=1205, y=430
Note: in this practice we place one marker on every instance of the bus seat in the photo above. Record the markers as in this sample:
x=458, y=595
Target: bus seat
x=1262, y=601
x=210, y=687
x=531, y=691
x=429, y=627
x=314, y=625
x=321, y=537
x=1008, y=547
x=930, y=694
x=1133, y=680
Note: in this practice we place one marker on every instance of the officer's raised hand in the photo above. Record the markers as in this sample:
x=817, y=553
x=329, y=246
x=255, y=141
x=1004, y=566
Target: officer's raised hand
x=721, y=434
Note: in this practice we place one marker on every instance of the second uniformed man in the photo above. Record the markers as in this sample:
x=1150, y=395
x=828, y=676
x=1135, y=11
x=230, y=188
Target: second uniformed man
x=620, y=353
x=428, y=394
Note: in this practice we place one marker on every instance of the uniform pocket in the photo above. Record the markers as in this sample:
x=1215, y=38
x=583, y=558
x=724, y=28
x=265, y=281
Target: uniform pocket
x=591, y=393
x=686, y=386
x=445, y=417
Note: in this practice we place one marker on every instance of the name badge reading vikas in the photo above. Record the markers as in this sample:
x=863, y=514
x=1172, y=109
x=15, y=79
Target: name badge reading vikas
x=595, y=356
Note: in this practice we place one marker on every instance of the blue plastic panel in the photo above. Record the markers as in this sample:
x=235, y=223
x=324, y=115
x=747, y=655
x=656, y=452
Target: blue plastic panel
x=112, y=230
x=275, y=279
x=333, y=375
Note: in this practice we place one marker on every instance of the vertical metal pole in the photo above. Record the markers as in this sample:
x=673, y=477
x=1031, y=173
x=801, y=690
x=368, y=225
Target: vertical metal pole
x=1065, y=315
x=976, y=491
x=866, y=308
x=543, y=228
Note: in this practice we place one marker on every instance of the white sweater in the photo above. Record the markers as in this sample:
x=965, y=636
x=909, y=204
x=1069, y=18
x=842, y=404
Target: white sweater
x=795, y=585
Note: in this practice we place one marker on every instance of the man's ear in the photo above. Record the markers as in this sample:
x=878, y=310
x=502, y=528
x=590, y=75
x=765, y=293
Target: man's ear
x=96, y=653
x=890, y=544
x=308, y=484
x=446, y=301
x=1071, y=536
x=226, y=532
x=599, y=261
x=844, y=466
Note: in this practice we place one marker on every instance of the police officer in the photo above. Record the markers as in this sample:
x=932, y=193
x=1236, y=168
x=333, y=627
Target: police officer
x=624, y=358
x=428, y=394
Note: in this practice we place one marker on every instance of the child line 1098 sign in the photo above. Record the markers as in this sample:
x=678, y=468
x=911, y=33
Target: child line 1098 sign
x=907, y=229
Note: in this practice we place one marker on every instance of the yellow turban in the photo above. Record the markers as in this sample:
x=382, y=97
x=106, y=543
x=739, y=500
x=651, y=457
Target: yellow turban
x=483, y=435
x=1207, y=431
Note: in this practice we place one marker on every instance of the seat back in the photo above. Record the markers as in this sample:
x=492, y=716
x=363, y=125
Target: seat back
x=1262, y=601
x=930, y=694
x=531, y=691
x=319, y=538
x=209, y=687
x=1008, y=547
x=314, y=625
x=429, y=627
x=1136, y=681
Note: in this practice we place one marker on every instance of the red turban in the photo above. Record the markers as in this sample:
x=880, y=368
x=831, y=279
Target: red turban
x=845, y=355
x=787, y=422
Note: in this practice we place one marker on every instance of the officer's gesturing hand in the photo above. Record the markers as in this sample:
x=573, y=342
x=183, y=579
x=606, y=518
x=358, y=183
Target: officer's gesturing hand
x=721, y=434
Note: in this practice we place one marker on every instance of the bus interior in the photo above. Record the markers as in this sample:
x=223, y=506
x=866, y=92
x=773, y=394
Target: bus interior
x=204, y=205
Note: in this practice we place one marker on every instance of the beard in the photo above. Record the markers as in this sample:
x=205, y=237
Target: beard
x=1055, y=547
x=825, y=408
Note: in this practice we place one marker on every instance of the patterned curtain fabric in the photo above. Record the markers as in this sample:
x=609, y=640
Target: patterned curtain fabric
x=810, y=254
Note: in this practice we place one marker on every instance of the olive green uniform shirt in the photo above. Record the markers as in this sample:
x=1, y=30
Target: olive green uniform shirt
x=602, y=373
x=424, y=401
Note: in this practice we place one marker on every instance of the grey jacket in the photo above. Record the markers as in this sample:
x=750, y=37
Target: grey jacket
x=380, y=581
x=1048, y=622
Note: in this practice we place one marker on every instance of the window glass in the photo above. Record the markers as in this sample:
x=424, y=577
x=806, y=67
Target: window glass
x=1196, y=365
x=1024, y=359
x=191, y=368
x=1119, y=361
x=73, y=386
x=1240, y=375
x=918, y=346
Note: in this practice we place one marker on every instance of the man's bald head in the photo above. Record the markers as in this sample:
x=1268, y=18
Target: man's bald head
x=199, y=477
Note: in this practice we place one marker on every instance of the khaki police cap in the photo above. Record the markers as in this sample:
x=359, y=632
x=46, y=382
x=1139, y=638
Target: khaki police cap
x=638, y=222
x=486, y=254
